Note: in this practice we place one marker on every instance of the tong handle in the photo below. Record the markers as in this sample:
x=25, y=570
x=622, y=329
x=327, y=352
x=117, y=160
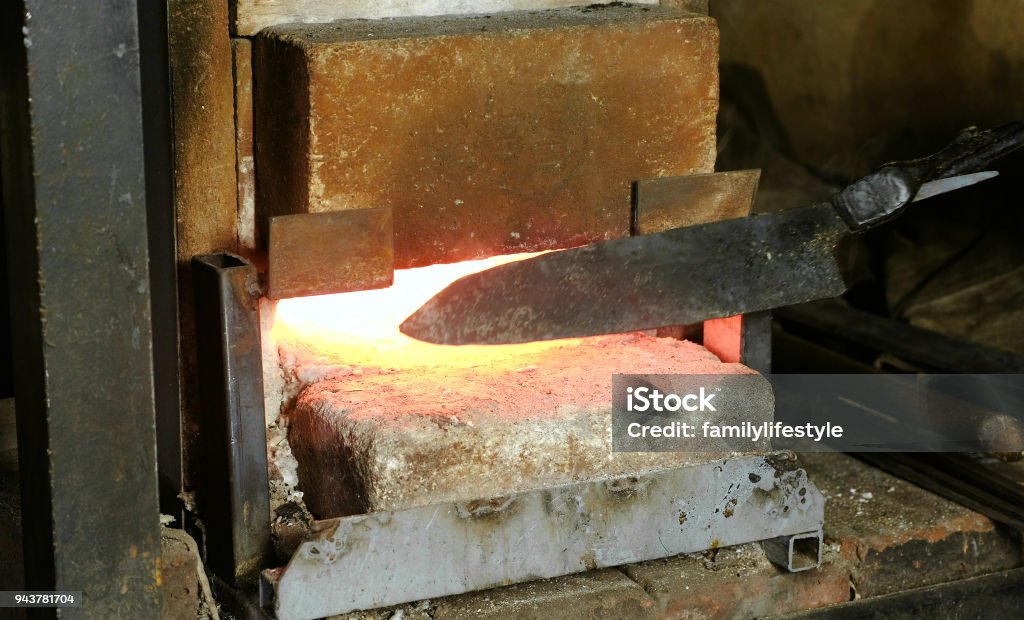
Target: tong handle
x=881, y=195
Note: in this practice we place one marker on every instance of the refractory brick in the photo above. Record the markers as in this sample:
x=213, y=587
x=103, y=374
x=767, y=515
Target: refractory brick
x=487, y=134
x=389, y=438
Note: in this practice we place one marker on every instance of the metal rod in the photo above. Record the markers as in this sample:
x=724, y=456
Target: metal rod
x=956, y=478
x=934, y=351
x=232, y=495
x=163, y=259
x=998, y=595
x=795, y=553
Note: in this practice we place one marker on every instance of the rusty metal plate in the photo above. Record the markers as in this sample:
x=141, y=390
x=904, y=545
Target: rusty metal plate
x=486, y=135
x=321, y=253
x=675, y=202
x=385, y=558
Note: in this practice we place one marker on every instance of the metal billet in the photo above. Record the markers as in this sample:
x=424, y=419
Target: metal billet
x=386, y=558
x=232, y=495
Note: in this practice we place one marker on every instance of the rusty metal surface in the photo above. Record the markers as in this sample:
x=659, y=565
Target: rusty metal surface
x=676, y=202
x=233, y=496
x=676, y=277
x=205, y=188
x=385, y=558
x=518, y=132
x=75, y=208
x=322, y=253
x=163, y=259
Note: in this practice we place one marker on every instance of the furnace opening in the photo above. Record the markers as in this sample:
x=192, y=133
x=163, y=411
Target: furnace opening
x=361, y=327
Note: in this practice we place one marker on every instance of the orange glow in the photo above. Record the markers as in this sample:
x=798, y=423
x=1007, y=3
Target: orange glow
x=361, y=328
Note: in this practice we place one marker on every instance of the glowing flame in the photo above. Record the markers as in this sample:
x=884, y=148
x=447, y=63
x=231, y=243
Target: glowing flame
x=361, y=328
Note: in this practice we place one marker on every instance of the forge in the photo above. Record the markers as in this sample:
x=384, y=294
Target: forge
x=219, y=217
x=386, y=422
x=409, y=152
x=476, y=449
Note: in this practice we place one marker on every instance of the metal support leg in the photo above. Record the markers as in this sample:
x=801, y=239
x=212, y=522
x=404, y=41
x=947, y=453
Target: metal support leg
x=75, y=213
x=233, y=498
x=744, y=338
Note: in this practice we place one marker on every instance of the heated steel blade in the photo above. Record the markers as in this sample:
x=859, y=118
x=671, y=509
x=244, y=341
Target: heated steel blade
x=680, y=276
x=691, y=274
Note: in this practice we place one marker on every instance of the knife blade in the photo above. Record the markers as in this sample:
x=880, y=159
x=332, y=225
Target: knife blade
x=692, y=274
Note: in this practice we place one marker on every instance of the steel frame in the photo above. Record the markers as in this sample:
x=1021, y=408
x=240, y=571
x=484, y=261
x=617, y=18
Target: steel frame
x=76, y=203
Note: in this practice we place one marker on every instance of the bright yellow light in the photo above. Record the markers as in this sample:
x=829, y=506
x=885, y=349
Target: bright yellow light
x=361, y=328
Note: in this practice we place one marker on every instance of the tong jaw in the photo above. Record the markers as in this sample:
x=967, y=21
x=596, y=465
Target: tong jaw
x=882, y=195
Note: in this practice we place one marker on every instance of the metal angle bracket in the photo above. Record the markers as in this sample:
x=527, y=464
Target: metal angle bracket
x=387, y=558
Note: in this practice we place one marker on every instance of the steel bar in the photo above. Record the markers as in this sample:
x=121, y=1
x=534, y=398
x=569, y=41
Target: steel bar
x=999, y=595
x=931, y=350
x=957, y=478
x=76, y=199
x=384, y=558
x=232, y=495
x=163, y=264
